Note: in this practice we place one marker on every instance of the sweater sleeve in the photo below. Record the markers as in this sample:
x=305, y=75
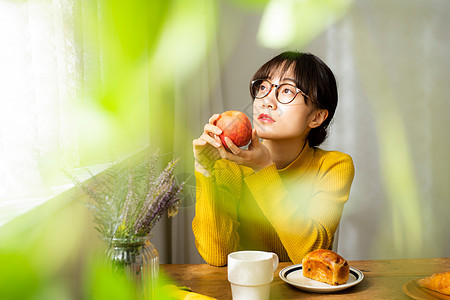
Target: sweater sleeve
x=301, y=228
x=215, y=223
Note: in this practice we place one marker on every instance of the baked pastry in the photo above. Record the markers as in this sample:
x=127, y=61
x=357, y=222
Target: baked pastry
x=439, y=282
x=325, y=266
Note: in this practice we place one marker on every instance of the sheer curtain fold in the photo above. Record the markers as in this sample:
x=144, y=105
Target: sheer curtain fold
x=38, y=67
x=50, y=67
x=192, y=109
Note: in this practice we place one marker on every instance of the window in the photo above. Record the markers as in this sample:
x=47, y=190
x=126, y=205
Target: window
x=52, y=74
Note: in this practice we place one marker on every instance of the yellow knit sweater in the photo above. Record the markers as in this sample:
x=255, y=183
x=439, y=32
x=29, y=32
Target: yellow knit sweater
x=291, y=211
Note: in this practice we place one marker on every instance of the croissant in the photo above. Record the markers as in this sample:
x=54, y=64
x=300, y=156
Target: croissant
x=325, y=266
x=439, y=282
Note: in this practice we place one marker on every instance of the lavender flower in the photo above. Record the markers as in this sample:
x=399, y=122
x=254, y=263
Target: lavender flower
x=129, y=201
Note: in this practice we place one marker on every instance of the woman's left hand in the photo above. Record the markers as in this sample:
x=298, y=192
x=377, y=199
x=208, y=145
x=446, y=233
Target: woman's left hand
x=257, y=155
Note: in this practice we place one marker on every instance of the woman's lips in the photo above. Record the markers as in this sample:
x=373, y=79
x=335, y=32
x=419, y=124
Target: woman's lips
x=265, y=118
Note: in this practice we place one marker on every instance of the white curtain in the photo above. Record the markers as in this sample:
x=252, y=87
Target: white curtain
x=38, y=79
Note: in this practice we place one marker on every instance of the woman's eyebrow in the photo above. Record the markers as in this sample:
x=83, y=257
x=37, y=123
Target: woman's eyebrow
x=288, y=79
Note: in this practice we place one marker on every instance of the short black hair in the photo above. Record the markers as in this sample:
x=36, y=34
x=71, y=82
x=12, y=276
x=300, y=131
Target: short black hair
x=314, y=78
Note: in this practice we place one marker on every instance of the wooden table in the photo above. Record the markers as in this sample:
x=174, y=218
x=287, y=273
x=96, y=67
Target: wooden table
x=383, y=279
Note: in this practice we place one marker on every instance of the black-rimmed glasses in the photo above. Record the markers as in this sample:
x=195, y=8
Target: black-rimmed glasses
x=284, y=93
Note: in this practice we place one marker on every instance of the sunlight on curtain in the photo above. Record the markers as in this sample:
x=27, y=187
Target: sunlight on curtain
x=51, y=74
x=37, y=89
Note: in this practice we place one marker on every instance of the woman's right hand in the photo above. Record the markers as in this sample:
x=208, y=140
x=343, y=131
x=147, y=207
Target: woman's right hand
x=206, y=147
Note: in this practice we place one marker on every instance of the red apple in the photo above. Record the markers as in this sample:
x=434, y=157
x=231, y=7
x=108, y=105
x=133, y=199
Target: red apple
x=236, y=126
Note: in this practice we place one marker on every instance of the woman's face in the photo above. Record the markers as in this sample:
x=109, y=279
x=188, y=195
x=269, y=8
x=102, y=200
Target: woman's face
x=276, y=121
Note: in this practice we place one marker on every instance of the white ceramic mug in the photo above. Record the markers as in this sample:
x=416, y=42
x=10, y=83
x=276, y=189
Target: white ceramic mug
x=250, y=274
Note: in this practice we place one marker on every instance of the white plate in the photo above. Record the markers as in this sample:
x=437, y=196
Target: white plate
x=294, y=276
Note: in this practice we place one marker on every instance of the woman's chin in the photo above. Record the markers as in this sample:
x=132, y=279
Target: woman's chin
x=265, y=134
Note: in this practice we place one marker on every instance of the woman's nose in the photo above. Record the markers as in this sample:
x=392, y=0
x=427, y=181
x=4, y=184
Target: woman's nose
x=270, y=101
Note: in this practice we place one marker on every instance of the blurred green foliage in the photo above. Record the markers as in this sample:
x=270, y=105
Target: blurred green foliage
x=135, y=54
x=18, y=279
x=251, y=5
x=53, y=252
x=287, y=24
x=130, y=54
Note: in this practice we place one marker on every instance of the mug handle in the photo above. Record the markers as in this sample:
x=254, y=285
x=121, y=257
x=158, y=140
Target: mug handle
x=275, y=261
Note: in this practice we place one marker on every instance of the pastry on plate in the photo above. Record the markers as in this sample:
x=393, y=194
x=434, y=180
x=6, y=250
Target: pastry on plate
x=439, y=282
x=325, y=266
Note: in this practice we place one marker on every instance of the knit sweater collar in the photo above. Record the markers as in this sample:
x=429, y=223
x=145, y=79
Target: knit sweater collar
x=300, y=164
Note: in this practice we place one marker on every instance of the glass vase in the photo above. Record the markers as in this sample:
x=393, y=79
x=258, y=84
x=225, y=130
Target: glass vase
x=137, y=259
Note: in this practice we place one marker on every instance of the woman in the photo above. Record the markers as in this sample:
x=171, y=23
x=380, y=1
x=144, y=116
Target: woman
x=285, y=194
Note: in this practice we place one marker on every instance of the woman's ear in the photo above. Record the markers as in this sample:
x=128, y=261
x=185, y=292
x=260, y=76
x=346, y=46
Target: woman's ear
x=320, y=116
